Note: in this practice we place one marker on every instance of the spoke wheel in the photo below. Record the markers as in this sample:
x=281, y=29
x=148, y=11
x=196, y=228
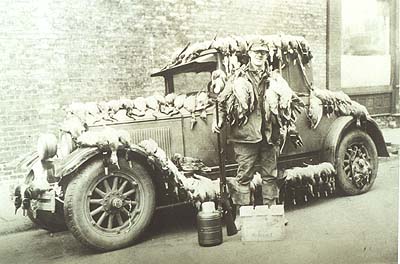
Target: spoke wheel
x=114, y=202
x=357, y=163
x=107, y=212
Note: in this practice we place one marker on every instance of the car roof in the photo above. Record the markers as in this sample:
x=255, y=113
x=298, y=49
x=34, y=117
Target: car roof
x=205, y=62
x=202, y=56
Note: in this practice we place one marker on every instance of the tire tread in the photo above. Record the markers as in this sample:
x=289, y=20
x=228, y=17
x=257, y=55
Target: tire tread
x=70, y=217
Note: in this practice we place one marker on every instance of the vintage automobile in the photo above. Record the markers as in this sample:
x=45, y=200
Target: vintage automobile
x=108, y=206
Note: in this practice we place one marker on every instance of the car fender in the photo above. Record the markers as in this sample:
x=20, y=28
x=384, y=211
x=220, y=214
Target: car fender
x=80, y=157
x=345, y=123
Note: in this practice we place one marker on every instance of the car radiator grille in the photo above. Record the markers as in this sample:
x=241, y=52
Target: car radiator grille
x=161, y=135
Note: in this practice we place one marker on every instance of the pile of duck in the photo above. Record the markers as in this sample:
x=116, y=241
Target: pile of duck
x=235, y=47
x=198, y=188
x=309, y=181
x=154, y=106
x=325, y=102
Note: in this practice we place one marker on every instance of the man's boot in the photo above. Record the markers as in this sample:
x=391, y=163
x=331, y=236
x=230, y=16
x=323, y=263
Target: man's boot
x=269, y=202
x=270, y=197
x=269, y=193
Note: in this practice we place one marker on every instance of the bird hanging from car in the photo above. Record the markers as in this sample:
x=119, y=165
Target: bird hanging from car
x=106, y=139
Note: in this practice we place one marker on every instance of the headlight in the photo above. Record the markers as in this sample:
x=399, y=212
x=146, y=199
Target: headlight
x=47, y=146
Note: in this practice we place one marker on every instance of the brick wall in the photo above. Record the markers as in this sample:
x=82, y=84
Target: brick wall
x=334, y=45
x=56, y=52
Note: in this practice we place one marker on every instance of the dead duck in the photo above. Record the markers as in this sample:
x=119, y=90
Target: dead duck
x=315, y=110
x=179, y=101
x=202, y=102
x=140, y=105
x=190, y=105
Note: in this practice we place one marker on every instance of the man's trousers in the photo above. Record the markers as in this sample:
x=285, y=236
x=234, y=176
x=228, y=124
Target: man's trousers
x=258, y=157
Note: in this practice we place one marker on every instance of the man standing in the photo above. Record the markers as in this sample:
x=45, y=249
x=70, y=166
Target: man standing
x=256, y=140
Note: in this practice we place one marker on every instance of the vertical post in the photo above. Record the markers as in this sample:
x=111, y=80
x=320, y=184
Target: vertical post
x=169, y=84
x=334, y=45
x=220, y=65
x=394, y=55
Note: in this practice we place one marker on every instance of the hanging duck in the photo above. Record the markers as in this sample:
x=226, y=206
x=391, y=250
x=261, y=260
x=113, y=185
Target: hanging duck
x=202, y=102
x=190, y=105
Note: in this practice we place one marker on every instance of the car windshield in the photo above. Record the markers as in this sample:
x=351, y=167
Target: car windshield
x=186, y=83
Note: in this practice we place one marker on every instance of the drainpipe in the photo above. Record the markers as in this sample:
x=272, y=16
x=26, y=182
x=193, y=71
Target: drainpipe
x=394, y=55
x=333, y=45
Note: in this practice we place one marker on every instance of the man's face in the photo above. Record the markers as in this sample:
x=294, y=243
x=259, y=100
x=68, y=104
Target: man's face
x=258, y=57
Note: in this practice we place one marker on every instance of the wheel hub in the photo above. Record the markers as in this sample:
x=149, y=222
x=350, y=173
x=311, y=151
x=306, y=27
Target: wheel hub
x=113, y=201
x=117, y=203
x=360, y=167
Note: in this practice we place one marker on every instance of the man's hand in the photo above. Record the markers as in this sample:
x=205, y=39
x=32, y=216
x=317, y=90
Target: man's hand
x=216, y=126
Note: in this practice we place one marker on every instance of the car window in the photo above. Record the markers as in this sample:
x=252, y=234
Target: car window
x=186, y=83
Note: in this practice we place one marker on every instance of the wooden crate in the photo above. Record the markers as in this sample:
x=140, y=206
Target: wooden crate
x=262, y=223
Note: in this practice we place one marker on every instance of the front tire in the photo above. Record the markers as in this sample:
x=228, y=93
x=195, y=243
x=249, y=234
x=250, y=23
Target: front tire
x=107, y=212
x=357, y=163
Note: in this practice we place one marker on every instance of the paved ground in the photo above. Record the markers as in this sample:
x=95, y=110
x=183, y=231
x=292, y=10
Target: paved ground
x=354, y=229
x=368, y=233
x=11, y=223
x=392, y=135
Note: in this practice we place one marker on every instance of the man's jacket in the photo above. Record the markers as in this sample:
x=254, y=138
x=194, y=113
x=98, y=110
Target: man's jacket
x=255, y=129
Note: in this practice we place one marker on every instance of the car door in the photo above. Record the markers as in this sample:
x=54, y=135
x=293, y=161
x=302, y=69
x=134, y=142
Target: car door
x=313, y=139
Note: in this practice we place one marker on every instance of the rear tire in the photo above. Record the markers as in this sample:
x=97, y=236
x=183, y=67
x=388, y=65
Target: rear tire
x=107, y=212
x=359, y=144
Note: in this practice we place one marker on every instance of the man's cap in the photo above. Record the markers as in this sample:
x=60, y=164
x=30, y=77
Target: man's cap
x=258, y=46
